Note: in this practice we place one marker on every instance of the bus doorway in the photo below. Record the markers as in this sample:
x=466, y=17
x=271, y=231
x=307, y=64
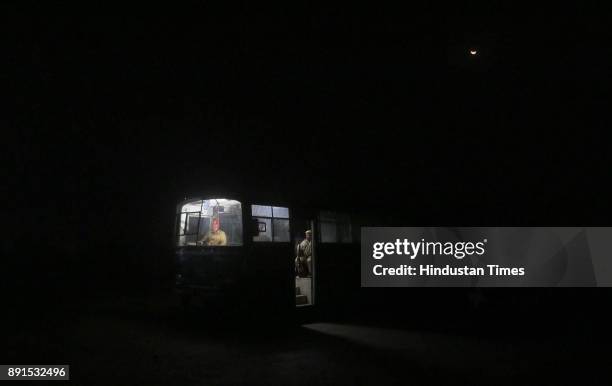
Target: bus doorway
x=304, y=261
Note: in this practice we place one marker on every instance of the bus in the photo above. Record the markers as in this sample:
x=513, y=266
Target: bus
x=235, y=252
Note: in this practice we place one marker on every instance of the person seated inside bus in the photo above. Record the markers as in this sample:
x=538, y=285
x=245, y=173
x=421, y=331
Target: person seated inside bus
x=303, y=261
x=216, y=237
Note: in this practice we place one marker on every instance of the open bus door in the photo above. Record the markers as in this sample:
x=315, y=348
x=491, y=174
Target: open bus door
x=304, y=261
x=304, y=247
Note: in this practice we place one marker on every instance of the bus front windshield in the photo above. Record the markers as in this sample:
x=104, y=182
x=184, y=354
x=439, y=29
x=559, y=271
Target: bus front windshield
x=213, y=222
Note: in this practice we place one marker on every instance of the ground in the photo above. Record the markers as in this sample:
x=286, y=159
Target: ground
x=149, y=341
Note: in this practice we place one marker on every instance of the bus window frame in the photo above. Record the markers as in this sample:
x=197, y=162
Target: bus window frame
x=207, y=248
x=185, y=224
x=271, y=241
x=336, y=222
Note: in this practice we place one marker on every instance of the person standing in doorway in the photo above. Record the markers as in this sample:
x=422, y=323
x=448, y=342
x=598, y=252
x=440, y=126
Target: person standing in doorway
x=303, y=261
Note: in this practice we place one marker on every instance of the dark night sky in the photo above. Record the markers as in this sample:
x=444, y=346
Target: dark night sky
x=124, y=110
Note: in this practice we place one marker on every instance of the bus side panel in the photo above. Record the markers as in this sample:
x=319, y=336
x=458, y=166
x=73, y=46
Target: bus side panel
x=209, y=273
x=338, y=276
x=271, y=279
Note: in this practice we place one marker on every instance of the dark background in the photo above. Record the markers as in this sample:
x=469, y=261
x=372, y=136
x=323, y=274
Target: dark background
x=115, y=113
x=118, y=112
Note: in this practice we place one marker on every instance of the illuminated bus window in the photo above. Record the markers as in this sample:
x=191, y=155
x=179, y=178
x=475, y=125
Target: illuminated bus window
x=214, y=222
x=181, y=223
x=335, y=228
x=328, y=232
x=261, y=211
x=265, y=229
x=273, y=222
x=281, y=230
x=279, y=212
x=344, y=232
